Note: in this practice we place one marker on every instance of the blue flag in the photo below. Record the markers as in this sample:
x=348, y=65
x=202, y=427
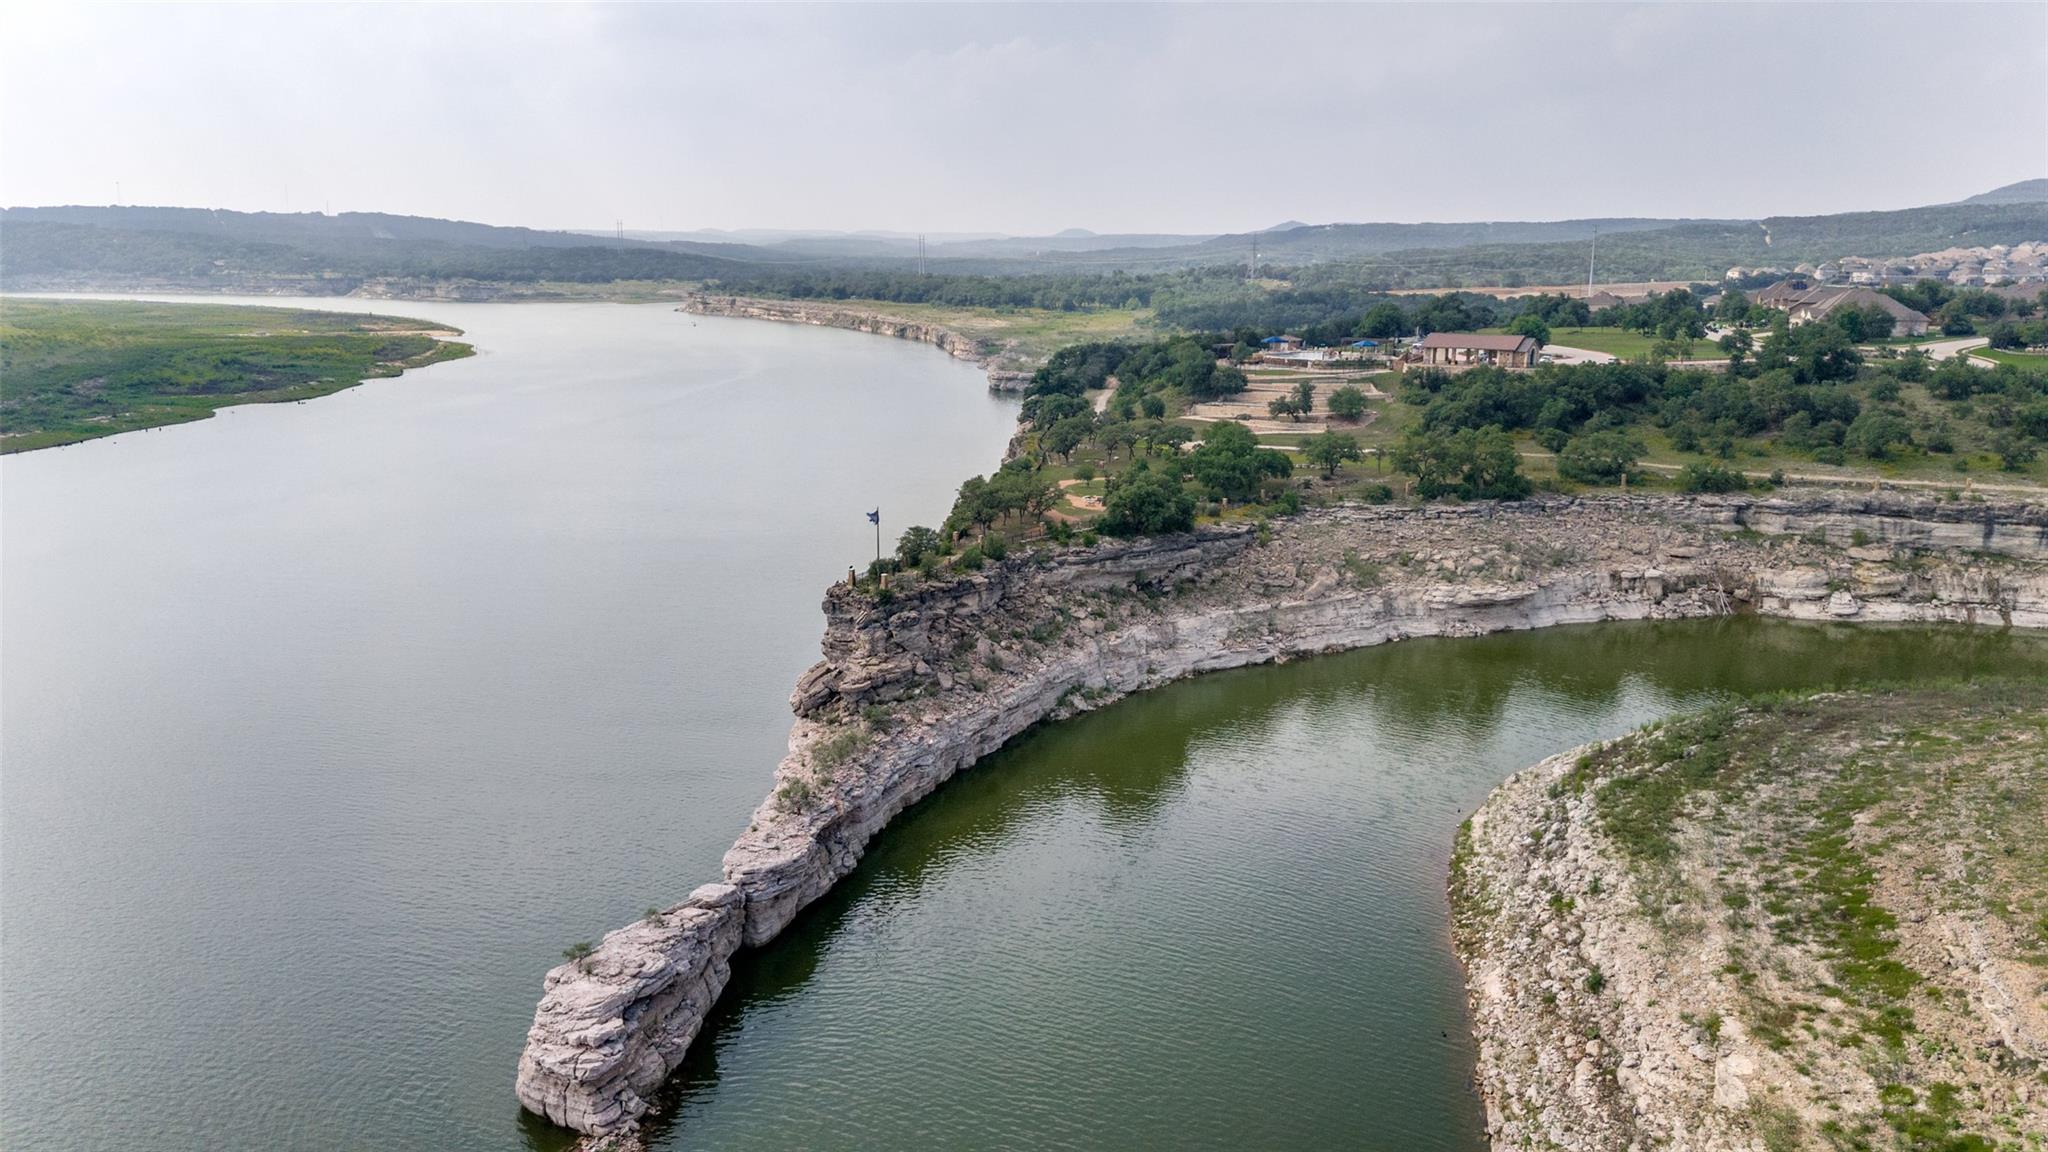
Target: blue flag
x=875, y=517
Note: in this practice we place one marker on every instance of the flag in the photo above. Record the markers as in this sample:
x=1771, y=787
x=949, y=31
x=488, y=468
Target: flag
x=875, y=517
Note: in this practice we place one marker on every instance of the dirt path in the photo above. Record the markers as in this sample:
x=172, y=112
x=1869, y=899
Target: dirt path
x=1969, y=484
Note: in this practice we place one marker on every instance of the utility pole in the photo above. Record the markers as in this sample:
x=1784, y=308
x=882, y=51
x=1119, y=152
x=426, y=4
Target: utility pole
x=1589, y=265
x=920, y=253
x=620, y=225
x=1255, y=257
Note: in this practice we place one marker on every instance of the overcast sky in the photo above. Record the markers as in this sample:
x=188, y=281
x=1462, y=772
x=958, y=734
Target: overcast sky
x=1021, y=119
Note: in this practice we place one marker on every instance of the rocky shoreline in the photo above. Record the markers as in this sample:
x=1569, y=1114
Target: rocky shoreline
x=922, y=682
x=1803, y=923
x=954, y=344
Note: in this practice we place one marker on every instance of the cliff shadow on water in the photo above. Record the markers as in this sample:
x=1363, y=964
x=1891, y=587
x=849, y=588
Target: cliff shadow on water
x=1222, y=898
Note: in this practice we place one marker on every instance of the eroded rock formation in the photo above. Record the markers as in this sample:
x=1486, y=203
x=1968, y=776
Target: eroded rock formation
x=920, y=684
x=1801, y=923
x=827, y=315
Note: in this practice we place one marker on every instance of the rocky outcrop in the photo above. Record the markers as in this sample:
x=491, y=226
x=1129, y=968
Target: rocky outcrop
x=1749, y=928
x=927, y=678
x=954, y=344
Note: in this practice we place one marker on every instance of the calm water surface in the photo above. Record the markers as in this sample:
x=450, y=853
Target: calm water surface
x=328, y=726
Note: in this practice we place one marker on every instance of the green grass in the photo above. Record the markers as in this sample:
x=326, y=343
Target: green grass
x=75, y=370
x=2028, y=361
x=1019, y=336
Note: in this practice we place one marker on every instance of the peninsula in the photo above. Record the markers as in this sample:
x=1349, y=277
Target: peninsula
x=80, y=369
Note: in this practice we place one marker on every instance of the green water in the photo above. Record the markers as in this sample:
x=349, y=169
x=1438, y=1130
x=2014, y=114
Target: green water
x=1211, y=916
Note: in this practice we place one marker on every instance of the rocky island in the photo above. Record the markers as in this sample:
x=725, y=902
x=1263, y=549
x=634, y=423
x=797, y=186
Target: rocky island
x=925, y=678
x=1817, y=922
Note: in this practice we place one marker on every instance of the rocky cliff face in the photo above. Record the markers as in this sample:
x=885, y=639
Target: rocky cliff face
x=1753, y=928
x=921, y=683
x=826, y=315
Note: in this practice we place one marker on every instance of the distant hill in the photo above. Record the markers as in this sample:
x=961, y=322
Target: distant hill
x=80, y=247
x=2024, y=192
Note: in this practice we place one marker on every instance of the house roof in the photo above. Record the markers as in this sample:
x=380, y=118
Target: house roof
x=1478, y=342
x=1365, y=343
x=1823, y=301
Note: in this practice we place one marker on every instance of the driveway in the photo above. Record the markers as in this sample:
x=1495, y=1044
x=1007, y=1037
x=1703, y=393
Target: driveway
x=1559, y=354
x=1943, y=349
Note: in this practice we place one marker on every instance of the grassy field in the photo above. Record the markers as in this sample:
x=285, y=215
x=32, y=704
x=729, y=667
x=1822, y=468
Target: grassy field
x=2028, y=361
x=75, y=370
x=1026, y=335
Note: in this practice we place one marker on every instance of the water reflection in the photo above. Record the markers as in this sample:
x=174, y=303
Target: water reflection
x=1212, y=915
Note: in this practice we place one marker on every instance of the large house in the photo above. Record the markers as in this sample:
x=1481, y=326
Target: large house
x=1444, y=349
x=1805, y=302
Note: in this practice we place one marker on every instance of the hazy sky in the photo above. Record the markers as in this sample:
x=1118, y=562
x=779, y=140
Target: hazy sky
x=1021, y=119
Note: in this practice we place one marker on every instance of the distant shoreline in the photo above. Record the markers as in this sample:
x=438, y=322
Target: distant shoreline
x=874, y=322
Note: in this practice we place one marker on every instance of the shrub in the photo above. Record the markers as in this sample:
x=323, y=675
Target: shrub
x=1702, y=476
x=1599, y=457
x=971, y=559
x=995, y=548
x=1347, y=403
x=578, y=954
x=1148, y=503
x=794, y=794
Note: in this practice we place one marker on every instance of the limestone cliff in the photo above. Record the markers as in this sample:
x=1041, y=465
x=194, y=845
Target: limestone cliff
x=921, y=683
x=1803, y=923
x=828, y=315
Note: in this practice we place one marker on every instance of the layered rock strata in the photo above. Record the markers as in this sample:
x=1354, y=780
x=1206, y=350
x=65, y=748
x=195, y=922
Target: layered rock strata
x=1807, y=923
x=954, y=344
x=921, y=682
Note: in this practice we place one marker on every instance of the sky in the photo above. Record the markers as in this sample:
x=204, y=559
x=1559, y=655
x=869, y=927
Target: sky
x=1020, y=119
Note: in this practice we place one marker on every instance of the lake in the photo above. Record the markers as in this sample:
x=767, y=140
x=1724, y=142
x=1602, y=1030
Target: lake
x=328, y=726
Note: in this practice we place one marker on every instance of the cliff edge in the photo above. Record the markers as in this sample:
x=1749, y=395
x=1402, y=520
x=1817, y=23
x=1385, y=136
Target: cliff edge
x=1818, y=922
x=924, y=680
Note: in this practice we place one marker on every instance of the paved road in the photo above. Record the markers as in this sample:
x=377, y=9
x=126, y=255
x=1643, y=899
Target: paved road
x=1943, y=349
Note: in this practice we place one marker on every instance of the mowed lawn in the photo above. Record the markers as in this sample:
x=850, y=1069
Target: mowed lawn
x=2028, y=361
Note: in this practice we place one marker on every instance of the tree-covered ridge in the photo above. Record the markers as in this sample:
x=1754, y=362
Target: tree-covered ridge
x=75, y=370
x=77, y=244
x=41, y=254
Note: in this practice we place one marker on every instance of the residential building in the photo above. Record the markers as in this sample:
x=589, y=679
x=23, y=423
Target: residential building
x=1446, y=349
